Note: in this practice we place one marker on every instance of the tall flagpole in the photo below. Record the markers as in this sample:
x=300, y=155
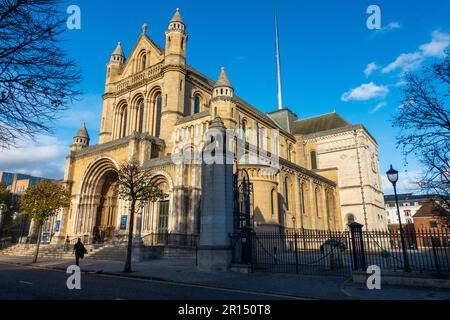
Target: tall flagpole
x=280, y=96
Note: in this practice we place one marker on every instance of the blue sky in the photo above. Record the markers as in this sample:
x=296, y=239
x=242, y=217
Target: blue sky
x=331, y=61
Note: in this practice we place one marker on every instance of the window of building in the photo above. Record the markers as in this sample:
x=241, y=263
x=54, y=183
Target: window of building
x=124, y=117
x=158, y=109
x=350, y=218
x=389, y=221
x=313, y=160
x=196, y=104
x=316, y=196
x=141, y=117
x=286, y=192
x=273, y=198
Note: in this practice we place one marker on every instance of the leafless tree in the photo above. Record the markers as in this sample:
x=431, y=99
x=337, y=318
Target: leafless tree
x=424, y=122
x=37, y=79
x=135, y=187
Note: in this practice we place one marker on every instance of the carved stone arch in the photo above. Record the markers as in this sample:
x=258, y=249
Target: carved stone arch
x=97, y=210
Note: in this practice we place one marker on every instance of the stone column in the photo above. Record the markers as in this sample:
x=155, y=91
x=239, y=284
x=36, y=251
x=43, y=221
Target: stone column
x=214, y=252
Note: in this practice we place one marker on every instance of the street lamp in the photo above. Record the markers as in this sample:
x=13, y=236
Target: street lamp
x=392, y=175
x=293, y=222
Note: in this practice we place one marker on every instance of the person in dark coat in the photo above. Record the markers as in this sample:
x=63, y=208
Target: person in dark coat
x=79, y=251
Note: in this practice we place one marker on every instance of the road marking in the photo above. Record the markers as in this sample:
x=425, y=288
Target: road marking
x=26, y=282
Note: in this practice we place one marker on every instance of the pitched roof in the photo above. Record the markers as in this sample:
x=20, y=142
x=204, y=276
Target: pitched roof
x=223, y=80
x=320, y=123
x=177, y=17
x=82, y=132
x=432, y=209
x=118, y=50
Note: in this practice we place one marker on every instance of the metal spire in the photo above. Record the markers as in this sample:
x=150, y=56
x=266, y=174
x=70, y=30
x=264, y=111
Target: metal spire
x=280, y=96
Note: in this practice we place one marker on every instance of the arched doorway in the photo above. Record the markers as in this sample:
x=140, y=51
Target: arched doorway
x=106, y=212
x=97, y=212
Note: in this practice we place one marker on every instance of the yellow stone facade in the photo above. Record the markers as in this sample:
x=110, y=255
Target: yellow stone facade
x=153, y=101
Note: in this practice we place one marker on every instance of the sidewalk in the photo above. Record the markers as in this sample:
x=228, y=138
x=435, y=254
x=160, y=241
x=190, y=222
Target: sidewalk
x=184, y=271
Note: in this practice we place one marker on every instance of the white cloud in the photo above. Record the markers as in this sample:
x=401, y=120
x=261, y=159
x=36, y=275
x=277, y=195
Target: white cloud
x=391, y=26
x=405, y=62
x=44, y=157
x=365, y=92
x=436, y=48
x=378, y=107
x=371, y=67
x=407, y=182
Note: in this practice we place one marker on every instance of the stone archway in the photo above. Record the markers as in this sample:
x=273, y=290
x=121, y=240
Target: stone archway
x=106, y=213
x=97, y=213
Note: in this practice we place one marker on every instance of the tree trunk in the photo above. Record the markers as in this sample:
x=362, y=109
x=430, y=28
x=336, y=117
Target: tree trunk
x=36, y=252
x=130, y=238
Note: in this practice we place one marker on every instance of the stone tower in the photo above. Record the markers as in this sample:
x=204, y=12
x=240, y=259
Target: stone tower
x=81, y=139
x=174, y=77
x=221, y=103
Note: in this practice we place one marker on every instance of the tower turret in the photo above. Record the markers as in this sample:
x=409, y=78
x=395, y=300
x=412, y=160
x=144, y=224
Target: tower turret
x=114, y=66
x=222, y=104
x=223, y=87
x=176, y=38
x=81, y=139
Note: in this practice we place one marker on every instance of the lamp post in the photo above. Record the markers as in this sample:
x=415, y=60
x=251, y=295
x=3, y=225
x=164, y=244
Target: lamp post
x=392, y=175
x=293, y=222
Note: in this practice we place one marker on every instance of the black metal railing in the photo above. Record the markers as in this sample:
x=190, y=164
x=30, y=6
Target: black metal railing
x=428, y=251
x=171, y=239
x=339, y=253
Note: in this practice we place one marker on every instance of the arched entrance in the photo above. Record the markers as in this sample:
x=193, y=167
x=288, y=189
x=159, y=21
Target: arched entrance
x=97, y=216
x=107, y=208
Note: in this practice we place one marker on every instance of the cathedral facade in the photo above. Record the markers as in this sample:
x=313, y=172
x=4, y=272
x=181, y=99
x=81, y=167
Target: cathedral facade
x=154, y=101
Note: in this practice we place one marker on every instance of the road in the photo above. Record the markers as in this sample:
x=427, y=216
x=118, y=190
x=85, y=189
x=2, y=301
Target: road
x=27, y=283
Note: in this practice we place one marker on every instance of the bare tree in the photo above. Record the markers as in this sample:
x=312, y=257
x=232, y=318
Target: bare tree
x=424, y=122
x=37, y=79
x=135, y=186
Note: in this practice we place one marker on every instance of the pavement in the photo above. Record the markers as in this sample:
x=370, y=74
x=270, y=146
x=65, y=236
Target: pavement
x=182, y=272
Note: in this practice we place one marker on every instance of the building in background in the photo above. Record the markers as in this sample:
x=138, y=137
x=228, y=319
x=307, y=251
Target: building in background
x=408, y=203
x=17, y=184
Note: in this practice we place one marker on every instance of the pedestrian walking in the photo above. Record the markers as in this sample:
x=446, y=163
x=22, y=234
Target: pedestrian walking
x=79, y=251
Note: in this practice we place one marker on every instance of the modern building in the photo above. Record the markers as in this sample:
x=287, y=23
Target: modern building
x=154, y=102
x=408, y=203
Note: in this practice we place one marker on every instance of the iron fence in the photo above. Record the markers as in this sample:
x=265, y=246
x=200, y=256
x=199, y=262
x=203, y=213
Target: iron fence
x=427, y=251
x=339, y=253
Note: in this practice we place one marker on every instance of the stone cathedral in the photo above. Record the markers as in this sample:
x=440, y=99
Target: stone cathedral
x=328, y=172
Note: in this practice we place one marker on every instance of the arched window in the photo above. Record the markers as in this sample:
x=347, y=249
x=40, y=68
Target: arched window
x=123, y=122
x=350, y=218
x=317, y=199
x=196, y=104
x=141, y=117
x=313, y=160
x=157, y=108
x=302, y=198
x=143, y=62
x=244, y=130
x=286, y=192
x=273, y=198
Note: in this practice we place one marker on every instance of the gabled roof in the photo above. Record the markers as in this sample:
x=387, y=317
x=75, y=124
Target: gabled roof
x=432, y=209
x=320, y=123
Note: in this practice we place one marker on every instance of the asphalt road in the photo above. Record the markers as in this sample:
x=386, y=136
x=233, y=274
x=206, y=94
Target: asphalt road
x=27, y=283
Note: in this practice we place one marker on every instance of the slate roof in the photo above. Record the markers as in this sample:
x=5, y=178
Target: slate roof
x=320, y=123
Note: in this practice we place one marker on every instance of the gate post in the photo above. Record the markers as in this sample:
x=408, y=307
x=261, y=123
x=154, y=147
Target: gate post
x=358, y=253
